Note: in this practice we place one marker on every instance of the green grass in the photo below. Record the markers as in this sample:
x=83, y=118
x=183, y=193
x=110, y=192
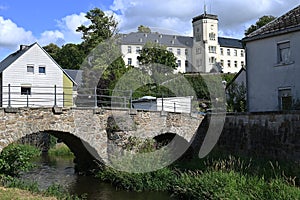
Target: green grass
x=215, y=177
x=60, y=150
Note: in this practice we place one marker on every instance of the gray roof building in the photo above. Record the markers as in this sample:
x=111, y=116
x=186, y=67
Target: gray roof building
x=288, y=22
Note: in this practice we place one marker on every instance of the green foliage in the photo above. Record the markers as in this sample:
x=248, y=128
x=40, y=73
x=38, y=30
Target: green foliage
x=69, y=56
x=259, y=23
x=60, y=150
x=159, y=180
x=101, y=28
x=236, y=97
x=231, y=185
x=16, y=158
x=153, y=54
x=55, y=190
x=144, y=29
x=218, y=176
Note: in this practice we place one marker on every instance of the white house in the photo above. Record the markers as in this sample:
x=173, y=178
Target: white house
x=30, y=77
x=273, y=64
x=204, y=52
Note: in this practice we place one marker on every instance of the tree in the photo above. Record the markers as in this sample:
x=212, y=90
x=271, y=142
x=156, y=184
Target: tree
x=101, y=28
x=236, y=97
x=70, y=56
x=144, y=29
x=155, y=54
x=259, y=23
x=53, y=50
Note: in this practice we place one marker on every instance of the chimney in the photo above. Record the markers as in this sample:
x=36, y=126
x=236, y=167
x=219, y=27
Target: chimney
x=23, y=47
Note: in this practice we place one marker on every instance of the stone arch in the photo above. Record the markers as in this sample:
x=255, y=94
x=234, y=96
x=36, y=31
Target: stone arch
x=85, y=160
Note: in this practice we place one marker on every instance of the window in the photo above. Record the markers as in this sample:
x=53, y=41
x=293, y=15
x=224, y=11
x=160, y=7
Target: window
x=170, y=49
x=285, y=99
x=178, y=51
x=212, y=60
x=212, y=27
x=212, y=36
x=129, y=61
x=186, y=52
x=242, y=53
x=179, y=63
x=242, y=64
x=42, y=70
x=222, y=51
x=30, y=69
x=138, y=50
x=186, y=64
x=25, y=90
x=235, y=52
x=228, y=63
x=235, y=63
x=228, y=52
x=212, y=49
x=198, y=50
x=129, y=49
x=222, y=63
x=283, y=49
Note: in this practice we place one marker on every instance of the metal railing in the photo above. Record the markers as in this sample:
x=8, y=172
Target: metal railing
x=45, y=96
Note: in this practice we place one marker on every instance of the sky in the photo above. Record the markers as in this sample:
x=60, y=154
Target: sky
x=55, y=21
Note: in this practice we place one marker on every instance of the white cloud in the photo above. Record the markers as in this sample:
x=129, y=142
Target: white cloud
x=48, y=37
x=69, y=24
x=11, y=35
x=234, y=15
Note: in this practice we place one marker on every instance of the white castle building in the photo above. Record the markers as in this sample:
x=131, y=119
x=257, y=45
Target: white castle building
x=205, y=52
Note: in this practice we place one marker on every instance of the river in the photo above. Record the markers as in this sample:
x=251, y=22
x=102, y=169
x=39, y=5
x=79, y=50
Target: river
x=58, y=170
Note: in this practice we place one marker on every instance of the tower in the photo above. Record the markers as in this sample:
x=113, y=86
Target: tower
x=205, y=32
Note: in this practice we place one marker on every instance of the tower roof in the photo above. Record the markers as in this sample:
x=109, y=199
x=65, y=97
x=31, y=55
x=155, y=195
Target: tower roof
x=205, y=16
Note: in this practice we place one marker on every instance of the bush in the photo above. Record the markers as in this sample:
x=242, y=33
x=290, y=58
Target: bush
x=159, y=180
x=61, y=150
x=15, y=158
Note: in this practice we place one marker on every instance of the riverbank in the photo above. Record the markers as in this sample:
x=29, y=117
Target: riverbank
x=215, y=177
x=14, y=193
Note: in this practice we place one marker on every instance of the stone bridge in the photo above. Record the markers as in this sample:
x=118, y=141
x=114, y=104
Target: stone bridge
x=88, y=131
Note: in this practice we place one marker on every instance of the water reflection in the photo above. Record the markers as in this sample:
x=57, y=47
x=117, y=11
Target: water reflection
x=58, y=170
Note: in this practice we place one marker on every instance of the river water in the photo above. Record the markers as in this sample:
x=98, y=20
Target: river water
x=58, y=170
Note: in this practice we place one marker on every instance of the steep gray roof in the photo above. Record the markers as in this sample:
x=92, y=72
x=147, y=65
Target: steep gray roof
x=288, y=22
x=138, y=38
x=13, y=57
x=230, y=42
x=172, y=40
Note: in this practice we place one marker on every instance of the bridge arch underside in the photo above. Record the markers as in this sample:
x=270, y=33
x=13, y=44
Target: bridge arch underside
x=84, y=160
x=179, y=147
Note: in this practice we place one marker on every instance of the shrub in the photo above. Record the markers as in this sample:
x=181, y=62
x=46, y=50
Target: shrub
x=16, y=158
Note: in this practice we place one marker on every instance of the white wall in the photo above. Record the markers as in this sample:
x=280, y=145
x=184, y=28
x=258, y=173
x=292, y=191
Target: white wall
x=133, y=55
x=265, y=76
x=16, y=75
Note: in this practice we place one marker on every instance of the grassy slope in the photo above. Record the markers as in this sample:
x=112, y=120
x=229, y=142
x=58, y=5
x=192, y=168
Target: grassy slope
x=13, y=193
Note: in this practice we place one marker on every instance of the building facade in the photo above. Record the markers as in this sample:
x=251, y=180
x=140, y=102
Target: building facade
x=205, y=52
x=30, y=77
x=273, y=64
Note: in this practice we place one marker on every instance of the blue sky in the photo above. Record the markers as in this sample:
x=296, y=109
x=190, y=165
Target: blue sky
x=28, y=21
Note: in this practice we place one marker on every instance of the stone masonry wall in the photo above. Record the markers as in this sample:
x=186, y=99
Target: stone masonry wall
x=270, y=135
